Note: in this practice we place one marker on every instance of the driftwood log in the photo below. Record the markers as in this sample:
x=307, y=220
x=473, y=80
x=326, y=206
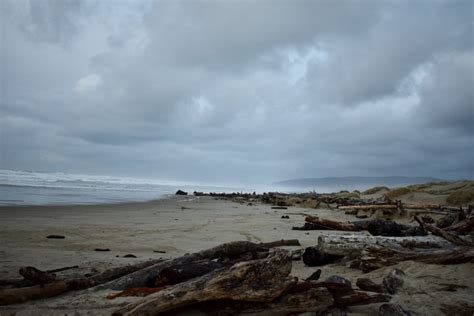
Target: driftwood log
x=330, y=224
x=183, y=272
x=375, y=257
x=281, y=243
x=229, y=251
x=343, y=293
x=368, y=207
x=247, y=278
x=379, y=227
x=303, y=297
x=258, y=280
x=352, y=245
x=312, y=300
x=317, y=223
x=23, y=294
x=139, y=275
x=19, y=295
x=298, y=298
x=462, y=227
x=333, y=247
x=421, y=206
x=375, y=227
x=444, y=234
x=391, y=206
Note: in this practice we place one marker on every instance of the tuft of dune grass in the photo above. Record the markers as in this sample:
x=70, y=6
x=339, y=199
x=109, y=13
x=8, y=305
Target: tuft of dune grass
x=461, y=197
x=348, y=195
x=398, y=192
x=423, y=186
x=375, y=190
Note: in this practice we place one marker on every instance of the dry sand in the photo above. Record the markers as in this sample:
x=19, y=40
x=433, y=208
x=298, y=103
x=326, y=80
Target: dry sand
x=179, y=225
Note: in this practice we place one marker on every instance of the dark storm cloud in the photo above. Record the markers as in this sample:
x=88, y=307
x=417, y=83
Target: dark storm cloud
x=227, y=34
x=52, y=20
x=374, y=64
x=447, y=98
x=238, y=91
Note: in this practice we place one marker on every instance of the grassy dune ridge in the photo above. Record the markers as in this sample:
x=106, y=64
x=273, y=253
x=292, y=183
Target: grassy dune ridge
x=455, y=193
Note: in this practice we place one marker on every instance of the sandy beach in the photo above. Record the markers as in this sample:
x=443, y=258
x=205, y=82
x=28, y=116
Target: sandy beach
x=227, y=158
x=177, y=225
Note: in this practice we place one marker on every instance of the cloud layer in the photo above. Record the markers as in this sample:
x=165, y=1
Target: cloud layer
x=247, y=92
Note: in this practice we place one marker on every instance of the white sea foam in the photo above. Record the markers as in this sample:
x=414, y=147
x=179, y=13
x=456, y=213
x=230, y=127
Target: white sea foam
x=24, y=187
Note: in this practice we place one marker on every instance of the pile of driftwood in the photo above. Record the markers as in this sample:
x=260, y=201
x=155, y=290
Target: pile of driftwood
x=389, y=207
x=352, y=204
x=283, y=199
x=233, y=278
x=390, y=242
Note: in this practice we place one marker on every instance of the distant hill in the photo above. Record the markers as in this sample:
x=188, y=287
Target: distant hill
x=351, y=183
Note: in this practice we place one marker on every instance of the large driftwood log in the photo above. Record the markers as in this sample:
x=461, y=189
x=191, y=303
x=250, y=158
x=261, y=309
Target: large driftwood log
x=444, y=234
x=330, y=224
x=309, y=226
x=343, y=293
x=376, y=257
x=138, y=275
x=463, y=226
x=368, y=207
x=146, y=277
x=18, y=295
x=378, y=227
x=421, y=206
x=183, y=272
x=281, y=243
x=361, y=298
x=375, y=227
x=312, y=300
x=390, y=206
x=258, y=280
x=352, y=245
x=333, y=247
x=110, y=274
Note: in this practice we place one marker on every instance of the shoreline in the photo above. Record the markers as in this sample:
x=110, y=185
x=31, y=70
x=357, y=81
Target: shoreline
x=62, y=196
x=92, y=204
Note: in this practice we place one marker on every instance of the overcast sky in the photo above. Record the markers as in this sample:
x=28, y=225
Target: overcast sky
x=238, y=91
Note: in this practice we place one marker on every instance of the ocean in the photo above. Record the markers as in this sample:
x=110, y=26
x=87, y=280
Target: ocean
x=38, y=188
